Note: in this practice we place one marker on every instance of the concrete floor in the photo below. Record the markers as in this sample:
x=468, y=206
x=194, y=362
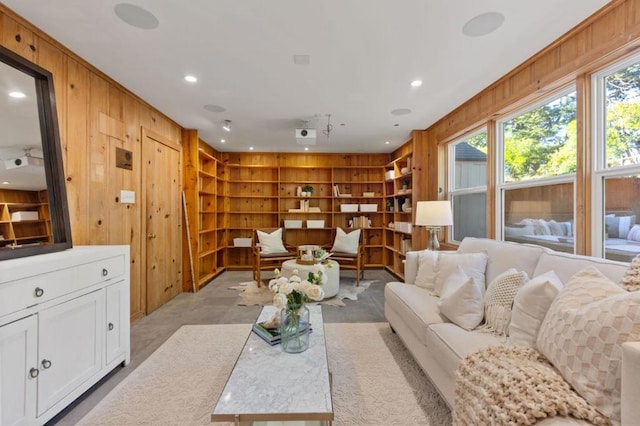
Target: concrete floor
x=216, y=304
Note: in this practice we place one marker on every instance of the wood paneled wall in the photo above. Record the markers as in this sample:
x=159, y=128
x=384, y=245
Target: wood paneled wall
x=95, y=115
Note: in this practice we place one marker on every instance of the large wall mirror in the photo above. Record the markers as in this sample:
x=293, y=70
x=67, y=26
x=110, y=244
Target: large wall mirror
x=34, y=217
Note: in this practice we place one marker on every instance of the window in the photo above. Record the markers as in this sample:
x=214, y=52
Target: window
x=468, y=186
x=537, y=172
x=616, y=205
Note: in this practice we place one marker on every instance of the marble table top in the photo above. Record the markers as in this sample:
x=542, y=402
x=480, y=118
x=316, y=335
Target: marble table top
x=269, y=384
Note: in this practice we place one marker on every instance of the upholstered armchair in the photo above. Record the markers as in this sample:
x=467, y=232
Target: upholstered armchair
x=348, y=251
x=269, y=250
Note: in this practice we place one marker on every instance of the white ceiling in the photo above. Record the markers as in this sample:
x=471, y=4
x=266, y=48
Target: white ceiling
x=363, y=55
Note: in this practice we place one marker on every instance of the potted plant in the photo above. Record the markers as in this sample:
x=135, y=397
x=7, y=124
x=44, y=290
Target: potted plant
x=307, y=190
x=405, y=184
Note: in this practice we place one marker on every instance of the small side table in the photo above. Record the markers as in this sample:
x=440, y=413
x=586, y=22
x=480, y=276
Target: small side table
x=333, y=274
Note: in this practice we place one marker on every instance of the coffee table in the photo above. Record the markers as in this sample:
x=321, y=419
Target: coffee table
x=331, y=268
x=269, y=385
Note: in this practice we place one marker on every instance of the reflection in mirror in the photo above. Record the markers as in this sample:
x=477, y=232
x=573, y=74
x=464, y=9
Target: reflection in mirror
x=33, y=210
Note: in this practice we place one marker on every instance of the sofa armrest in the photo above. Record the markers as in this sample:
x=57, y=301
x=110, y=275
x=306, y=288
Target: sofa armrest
x=630, y=383
x=410, y=267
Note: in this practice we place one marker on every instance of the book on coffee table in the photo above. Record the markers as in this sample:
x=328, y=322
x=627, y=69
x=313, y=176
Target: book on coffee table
x=272, y=335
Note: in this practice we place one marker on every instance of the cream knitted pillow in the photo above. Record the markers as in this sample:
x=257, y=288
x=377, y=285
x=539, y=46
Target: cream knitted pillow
x=582, y=336
x=498, y=300
x=631, y=279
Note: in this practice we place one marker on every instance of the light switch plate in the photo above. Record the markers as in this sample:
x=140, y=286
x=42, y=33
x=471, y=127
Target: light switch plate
x=127, y=197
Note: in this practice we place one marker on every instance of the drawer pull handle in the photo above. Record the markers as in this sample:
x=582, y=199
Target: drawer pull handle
x=46, y=363
x=110, y=326
x=105, y=272
x=39, y=292
x=34, y=373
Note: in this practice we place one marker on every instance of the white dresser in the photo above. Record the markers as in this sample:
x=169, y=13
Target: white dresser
x=64, y=324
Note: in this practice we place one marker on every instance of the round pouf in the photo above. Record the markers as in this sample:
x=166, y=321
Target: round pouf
x=333, y=274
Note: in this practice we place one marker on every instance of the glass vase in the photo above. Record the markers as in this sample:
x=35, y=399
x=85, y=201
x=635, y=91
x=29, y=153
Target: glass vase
x=294, y=328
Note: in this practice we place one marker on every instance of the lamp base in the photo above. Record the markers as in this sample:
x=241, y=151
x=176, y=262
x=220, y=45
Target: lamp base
x=433, y=243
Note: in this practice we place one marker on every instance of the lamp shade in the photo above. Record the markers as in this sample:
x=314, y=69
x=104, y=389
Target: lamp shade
x=433, y=213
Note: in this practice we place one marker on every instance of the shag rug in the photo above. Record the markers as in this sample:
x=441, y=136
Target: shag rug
x=251, y=294
x=375, y=380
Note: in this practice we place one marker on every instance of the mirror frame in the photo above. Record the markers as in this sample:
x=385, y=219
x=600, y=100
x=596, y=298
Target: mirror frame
x=52, y=150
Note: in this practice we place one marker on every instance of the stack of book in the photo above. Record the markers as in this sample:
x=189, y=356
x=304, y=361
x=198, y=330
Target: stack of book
x=272, y=335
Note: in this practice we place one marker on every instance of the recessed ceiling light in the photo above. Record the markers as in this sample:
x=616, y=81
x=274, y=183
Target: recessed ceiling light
x=136, y=16
x=5, y=183
x=401, y=111
x=190, y=78
x=302, y=59
x=386, y=142
x=214, y=108
x=250, y=148
x=416, y=83
x=222, y=141
x=483, y=24
x=306, y=148
x=17, y=95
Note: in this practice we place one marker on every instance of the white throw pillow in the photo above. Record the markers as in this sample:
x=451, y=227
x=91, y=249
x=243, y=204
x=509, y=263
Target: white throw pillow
x=346, y=243
x=473, y=264
x=426, y=275
x=556, y=228
x=634, y=233
x=498, y=300
x=271, y=243
x=530, y=305
x=462, y=300
x=582, y=336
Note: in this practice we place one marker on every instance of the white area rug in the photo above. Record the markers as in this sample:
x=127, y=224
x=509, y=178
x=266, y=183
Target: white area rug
x=375, y=380
x=251, y=294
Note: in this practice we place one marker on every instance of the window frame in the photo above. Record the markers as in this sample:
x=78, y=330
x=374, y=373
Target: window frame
x=600, y=171
x=451, y=171
x=501, y=186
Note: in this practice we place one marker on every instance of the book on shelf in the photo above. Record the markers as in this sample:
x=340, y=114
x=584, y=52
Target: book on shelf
x=271, y=335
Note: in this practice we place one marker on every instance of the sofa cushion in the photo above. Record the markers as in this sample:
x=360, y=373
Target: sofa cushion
x=503, y=255
x=566, y=265
x=417, y=307
x=498, y=300
x=582, y=335
x=448, y=344
x=426, y=275
x=530, y=306
x=473, y=264
x=462, y=300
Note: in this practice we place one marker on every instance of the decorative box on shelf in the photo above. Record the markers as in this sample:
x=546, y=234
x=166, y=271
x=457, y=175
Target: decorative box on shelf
x=403, y=227
x=368, y=194
x=25, y=215
x=315, y=223
x=242, y=242
x=348, y=207
x=389, y=174
x=293, y=224
x=368, y=207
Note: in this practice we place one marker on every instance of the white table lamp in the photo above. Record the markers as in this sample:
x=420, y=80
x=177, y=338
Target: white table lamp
x=433, y=215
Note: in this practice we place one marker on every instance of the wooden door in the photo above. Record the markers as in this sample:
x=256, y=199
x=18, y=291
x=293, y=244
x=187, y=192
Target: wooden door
x=163, y=220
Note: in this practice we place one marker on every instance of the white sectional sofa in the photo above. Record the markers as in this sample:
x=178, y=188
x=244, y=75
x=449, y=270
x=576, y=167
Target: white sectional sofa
x=439, y=346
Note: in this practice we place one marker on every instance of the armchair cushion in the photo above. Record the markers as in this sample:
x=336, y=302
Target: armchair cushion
x=346, y=243
x=271, y=243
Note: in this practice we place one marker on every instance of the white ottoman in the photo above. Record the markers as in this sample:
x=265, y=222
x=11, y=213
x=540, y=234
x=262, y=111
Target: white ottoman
x=333, y=274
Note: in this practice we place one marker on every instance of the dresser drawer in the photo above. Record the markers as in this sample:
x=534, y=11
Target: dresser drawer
x=101, y=270
x=20, y=294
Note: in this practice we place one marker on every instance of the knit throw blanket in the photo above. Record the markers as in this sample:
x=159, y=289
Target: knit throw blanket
x=515, y=386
